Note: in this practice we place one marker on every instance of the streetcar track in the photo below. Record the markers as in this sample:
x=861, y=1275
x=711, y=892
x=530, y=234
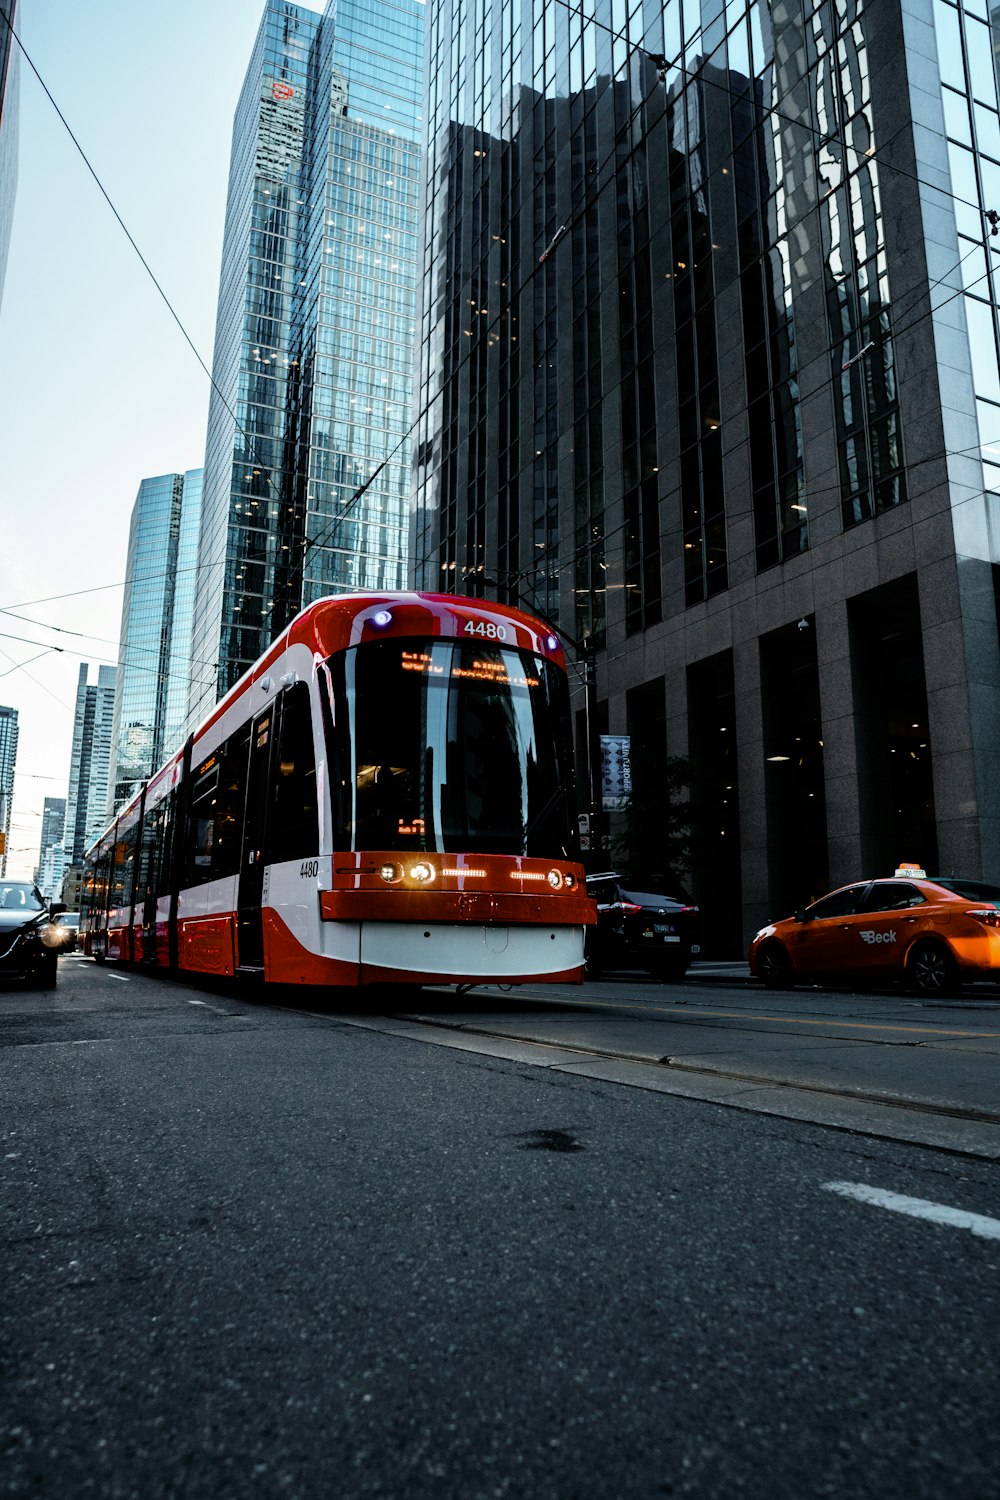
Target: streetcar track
x=683, y=1016
x=758, y=1080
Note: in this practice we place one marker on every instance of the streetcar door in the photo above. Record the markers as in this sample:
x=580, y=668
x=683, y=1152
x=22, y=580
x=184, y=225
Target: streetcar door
x=250, y=896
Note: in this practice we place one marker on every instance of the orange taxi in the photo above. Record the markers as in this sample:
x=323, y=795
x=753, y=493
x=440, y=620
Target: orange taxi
x=934, y=934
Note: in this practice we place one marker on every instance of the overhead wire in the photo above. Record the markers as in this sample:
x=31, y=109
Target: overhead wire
x=664, y=67
x=250, y=441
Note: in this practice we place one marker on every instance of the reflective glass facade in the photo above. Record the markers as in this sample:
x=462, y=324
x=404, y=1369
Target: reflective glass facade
x=52, y=852
x=315, y=328
x=8, y=757
x=90, y=762
x=706, y=323
x=154, y=654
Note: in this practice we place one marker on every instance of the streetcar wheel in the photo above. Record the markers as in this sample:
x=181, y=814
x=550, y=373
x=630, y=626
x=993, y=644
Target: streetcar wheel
x=774, y=968
x=930, y=970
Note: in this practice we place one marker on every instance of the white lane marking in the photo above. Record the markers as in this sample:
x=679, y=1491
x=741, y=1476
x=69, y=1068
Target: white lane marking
x=205, y=1005
x=918, y=1208
x=125, y=978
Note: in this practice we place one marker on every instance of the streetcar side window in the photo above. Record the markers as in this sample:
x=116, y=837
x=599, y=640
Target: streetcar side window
x=147, y=856
x=201, y=828
x=218, y=790
x=121, y=873
x=166, y=817
x=294, y=828
x=229, y=809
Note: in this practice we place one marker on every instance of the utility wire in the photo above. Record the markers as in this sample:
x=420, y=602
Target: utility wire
x=663, y=66
x=701, y=75
x=521, y=575
x=251, y=442
x=326, y=540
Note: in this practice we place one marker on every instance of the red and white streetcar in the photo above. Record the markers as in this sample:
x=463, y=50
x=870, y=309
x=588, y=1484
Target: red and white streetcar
x=386, y=797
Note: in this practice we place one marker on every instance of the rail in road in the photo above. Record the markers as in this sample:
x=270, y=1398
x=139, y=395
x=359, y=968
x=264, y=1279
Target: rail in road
x=886, y=1064
x=883, y=1064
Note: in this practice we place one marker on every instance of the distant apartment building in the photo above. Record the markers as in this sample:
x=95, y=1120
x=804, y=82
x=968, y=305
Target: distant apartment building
x=10, y=62
x=90, y=760
x=154, y=652
x=8, y=757
x=314, y=334
x=52, y=852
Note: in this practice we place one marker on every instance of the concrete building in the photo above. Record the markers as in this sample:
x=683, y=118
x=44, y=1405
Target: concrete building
x=710, y=377
x=90, y=762
x=314, y=333
x=8, y=759
x=154, y=651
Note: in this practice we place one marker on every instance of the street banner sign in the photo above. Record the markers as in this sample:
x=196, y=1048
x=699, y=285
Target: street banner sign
x=616, y=770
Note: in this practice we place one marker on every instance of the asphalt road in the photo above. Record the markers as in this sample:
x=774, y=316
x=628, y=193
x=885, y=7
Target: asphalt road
x=260, y=1249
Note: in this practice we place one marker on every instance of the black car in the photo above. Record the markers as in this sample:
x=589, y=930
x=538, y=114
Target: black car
x=641, y=928
x=29, y=940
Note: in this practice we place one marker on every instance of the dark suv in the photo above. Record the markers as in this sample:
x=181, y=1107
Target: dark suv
x=641, y=928
x=28, y=937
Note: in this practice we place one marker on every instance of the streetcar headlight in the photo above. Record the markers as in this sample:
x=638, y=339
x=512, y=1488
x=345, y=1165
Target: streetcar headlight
x=569, y=880
x=390, y=873
x=381, y=618
x=555, y=879
x=423, y=873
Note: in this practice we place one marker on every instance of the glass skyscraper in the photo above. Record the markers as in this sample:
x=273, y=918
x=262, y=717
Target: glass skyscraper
x=52, y=849
x=154, y=653
x=709, y=376
x=8, y=758
x=315, y=328
x=90, y=762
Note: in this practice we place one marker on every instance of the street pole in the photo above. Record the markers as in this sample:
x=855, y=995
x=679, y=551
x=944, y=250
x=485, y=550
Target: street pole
x=589, y=657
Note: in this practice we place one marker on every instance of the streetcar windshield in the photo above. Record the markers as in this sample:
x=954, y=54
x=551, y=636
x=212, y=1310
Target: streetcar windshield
x=450, y=746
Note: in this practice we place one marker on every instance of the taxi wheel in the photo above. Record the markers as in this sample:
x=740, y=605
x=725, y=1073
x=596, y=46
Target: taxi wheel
x=773, y=967
x=931, y=970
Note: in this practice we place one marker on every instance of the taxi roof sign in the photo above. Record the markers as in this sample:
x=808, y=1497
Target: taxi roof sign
x=913, y=871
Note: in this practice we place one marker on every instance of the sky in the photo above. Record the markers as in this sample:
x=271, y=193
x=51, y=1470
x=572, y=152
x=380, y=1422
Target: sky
x=98, y=386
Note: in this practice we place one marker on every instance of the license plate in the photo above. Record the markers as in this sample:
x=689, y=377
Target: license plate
x=666, y=934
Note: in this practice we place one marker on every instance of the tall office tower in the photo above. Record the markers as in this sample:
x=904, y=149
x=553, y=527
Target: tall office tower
x=314, y=336
x=90, y=762
x=10, y=63
x=8, y=757
x=710, y=375
x=154, y=652
x=52, y=851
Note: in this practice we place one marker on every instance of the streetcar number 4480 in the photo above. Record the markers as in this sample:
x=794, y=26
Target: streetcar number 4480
x=486, y=628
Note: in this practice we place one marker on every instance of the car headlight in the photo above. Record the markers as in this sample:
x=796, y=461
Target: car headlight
x=51, y=935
